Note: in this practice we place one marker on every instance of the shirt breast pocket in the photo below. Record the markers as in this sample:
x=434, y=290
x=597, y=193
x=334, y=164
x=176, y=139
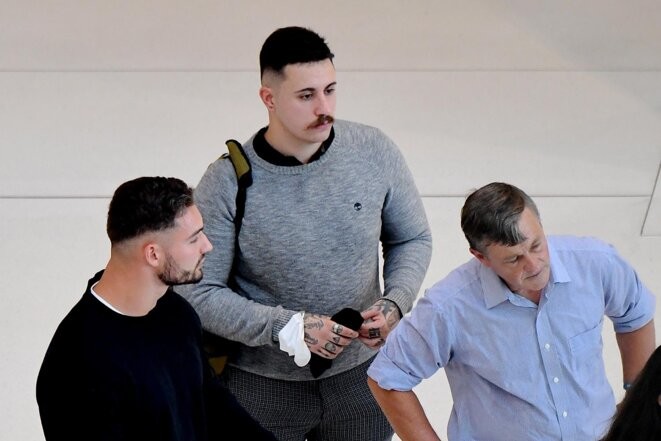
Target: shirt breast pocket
x=587, y=342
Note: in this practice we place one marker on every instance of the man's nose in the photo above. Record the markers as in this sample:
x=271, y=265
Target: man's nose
x=206, y=244
x=529, y=264
x=323, y=106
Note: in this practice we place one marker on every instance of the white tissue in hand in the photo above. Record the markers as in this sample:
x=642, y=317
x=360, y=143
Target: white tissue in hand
x=292, y=340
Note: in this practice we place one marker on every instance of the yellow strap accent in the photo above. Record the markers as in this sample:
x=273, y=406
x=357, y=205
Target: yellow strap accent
x=240, y=163
x=218, y=363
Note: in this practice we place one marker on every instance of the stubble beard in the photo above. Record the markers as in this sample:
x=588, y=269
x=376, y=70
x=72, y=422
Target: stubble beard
x=173, y=275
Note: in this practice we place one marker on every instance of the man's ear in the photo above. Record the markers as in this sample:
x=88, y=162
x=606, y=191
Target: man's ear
x=484, y=260
x=153, y=254
x=266, y=95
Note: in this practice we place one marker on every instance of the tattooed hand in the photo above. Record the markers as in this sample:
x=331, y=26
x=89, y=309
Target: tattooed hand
x=325, y=337
x=380, y=319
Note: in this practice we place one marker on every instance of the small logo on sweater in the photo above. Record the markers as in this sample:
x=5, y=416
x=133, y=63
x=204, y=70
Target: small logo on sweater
x=357, y=206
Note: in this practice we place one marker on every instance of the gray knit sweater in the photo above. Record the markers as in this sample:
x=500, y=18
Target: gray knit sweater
x=310, y=242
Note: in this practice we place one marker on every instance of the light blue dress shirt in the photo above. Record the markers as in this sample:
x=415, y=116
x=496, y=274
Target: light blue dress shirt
x=520, y=371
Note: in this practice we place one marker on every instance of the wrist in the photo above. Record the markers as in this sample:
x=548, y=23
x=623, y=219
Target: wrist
x=292, y=340
x=393, y=306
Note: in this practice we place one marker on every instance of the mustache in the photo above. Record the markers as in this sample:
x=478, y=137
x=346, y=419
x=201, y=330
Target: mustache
x=322, y=119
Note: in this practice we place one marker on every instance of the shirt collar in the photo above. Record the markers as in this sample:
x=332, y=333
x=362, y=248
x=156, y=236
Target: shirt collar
x=266, y=151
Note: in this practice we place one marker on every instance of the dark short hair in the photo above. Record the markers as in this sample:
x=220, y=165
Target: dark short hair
x=146, y=204
x=292, y=45
x=491, y=215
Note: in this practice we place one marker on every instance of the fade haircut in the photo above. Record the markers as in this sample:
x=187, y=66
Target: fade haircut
x=491, y=215
x=146, y=204
x=292, y=45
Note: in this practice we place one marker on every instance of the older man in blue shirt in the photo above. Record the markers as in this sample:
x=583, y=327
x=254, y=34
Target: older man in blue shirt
x=518, y=331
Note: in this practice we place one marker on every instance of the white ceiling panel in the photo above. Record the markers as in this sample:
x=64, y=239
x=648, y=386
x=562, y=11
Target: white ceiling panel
x=555, y=133
x=78, y=134
x=366, y=35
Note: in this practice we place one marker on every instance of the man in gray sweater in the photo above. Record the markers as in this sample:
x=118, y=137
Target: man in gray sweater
x=325, y=194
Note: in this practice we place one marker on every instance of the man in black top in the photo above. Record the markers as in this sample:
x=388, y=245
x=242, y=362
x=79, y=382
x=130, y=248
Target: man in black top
x=127, y=363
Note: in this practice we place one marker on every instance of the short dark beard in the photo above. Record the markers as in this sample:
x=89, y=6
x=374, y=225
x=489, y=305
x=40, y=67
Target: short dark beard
x=172, y=275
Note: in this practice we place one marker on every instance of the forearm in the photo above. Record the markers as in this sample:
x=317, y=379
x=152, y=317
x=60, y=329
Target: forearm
x=635, y=349
x=404, y=269
x=405, y=413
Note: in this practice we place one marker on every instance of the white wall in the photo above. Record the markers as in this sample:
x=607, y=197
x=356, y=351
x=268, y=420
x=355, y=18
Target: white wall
x=559, y=97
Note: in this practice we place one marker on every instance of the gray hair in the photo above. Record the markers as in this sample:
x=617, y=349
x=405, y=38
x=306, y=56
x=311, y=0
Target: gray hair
x=491, y=215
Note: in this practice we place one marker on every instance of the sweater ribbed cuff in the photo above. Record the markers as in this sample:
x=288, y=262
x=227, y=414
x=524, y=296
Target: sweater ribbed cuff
x=281, y=320
x=401, y=298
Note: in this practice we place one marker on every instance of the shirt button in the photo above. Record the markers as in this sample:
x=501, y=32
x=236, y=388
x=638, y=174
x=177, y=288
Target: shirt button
x=564, y=414
x=556, y=379
x=547, y=346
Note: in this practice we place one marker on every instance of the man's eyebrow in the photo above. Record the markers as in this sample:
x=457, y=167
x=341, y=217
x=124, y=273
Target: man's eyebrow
x=312, y=89
x=195, y=233
x=511, y=255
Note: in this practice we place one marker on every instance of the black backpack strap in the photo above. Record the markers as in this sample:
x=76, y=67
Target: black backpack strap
x=244, y=178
